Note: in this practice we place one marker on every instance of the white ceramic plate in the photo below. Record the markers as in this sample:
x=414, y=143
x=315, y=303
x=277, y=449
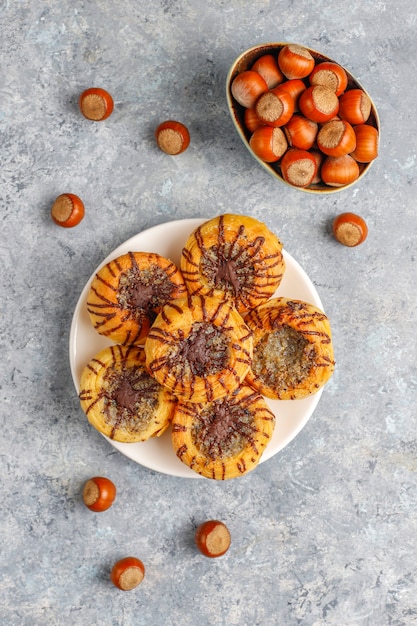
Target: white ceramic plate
x=157, y=454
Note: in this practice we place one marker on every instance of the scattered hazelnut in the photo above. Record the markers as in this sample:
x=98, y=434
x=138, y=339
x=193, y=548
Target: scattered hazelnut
x=172, y=137
x=213, y=538
x=127, y=573
x=96, y=104
x=99, y=494
x=67, y=210
x=350, y=229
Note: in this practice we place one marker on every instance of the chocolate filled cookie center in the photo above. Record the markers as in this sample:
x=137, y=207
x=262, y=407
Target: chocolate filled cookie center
x=144, y=290
x=126, y=396
x=205, y=350
x=226, y=273
x=220, y=426
x=229, y=267
x=130, y=398
x=140, y=296
x=223, y=430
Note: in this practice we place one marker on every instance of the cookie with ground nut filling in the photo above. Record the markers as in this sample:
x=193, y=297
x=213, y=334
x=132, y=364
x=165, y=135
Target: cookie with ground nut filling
x=292, y=351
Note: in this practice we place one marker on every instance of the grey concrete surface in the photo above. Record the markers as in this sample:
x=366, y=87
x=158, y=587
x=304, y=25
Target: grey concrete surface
x=325, y=532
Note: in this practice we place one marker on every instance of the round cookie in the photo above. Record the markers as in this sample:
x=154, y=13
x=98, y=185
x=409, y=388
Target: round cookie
x=128, y=292
x=119, y=397
x=200, y=348
x=233, y=257
x=292, y=351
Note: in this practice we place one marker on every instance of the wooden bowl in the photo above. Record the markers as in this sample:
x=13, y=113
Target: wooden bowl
x=245, y=62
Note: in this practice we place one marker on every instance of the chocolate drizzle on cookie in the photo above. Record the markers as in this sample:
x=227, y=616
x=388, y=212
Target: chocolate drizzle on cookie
x=227, y=273
x=143, y=290
x=199, y=348
x=293, y=350
x=130, y=398
x=121, y=399
x=128, y=292
x=223, y=429
x=204, y=351
x=225, y=438
x=233, y=257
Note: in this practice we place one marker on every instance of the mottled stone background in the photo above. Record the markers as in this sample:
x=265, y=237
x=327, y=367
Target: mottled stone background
x=324, y=533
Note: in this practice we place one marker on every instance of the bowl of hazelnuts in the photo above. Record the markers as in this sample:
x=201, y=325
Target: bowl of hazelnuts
x=304, y=117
